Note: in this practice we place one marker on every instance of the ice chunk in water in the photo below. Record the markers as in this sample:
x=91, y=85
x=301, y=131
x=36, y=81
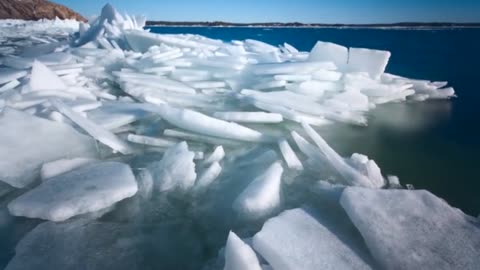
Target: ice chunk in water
x=8, y=75
x=93, y=245
x=176, y=170
x=60, y=166
x=296, y=239
x=104, y=136
x=373, y=62
x=43, y=78
x=368, y=168
x=216, y=155
x=407, y=229
x=329, y=52
x=87, y=189
x=262, y=196
x=26, y=142
x=208, y=176
x=289, y=155
x=238, y=255
x=350, y=174
x=249, y=117
x=203, y=124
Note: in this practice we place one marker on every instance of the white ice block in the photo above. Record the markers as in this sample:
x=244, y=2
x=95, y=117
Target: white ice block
x=239, y=256
x=43, y=78
x=87, y=189
x=8, y=75
x=369, y=168
x=151, y=141
x=176, y=170
x=249, y=117
x=26, y=142
x=289, y=155
x=350, y=175
x=407, y=229
x=203, y=124
x=208, y=176
x=373, y=62
x=8, y=86
x=297, y=240
x=216, y=156
x=329, y=52
x=57, y=167
x=99, y=133
x=292, y=68
x=262, y=196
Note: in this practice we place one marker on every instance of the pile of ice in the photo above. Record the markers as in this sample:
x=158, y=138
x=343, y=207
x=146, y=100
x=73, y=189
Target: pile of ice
x=224, y=130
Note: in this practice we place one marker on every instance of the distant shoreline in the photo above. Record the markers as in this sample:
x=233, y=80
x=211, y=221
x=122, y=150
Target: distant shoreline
x=407, y=25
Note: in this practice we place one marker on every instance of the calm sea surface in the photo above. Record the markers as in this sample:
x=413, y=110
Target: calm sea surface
x=433, y=145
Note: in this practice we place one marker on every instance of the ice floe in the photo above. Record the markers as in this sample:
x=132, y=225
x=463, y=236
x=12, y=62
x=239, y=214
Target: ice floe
x=212, y=136
x=83, y=190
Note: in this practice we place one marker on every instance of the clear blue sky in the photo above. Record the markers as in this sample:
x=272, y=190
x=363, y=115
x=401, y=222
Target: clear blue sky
x=307, y=11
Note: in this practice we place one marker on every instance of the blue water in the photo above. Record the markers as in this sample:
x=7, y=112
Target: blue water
x=432, y=145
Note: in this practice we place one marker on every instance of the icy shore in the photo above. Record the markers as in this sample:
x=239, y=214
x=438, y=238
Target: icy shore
x=113, y=133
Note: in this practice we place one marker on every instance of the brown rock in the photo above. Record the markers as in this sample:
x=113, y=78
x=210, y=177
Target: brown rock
x=35, y=10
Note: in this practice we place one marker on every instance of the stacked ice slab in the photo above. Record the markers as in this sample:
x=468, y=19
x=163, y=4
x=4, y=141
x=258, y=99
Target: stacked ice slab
x=229, y=125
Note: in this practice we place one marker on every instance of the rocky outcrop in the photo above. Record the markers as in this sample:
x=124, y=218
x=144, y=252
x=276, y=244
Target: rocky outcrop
x=35, y=10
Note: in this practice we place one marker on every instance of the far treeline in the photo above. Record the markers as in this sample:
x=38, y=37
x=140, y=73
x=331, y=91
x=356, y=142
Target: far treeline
x=297, y=24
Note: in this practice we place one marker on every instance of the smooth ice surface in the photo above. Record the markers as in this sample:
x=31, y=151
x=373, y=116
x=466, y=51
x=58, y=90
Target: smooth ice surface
x=349, y=173
x=413, y=229
x=96, y=131
x=43, y=78
x=203, y=124
x=297, y=240
x=249, y=117
x=60, y=166
x=208, y=176
x=329, y=52
x=26, y=142
x=176, y=170
x=217, y=155
x=262, y=196
x=94, y=245
x=238, y=255
x=87, y=189
x=373, y=62
x=289, y=155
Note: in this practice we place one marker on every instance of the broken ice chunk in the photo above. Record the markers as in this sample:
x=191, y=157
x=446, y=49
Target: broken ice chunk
x=159, y=142
x=112, y=115
x=329, y=52
x=407, y=229
x=351, y=175
x=208, y=176
x=57, y=167
x=216, y=156
x=292, y=68
x=289, y=155
x=373, y=62
x=239, y=256
x=9, y=86
x=296, y=239
x=249, y=117
x=87, y=189
x=176, y=170
x=104, y=136
x=262, y=195
x=27, y=142
x=43, y=78
x=369, y=168
x=203, y=124
x=8, y=75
